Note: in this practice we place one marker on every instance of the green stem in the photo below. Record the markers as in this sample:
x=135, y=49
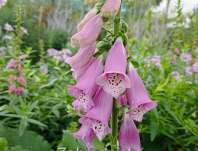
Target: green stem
x=114, y=146
x=114, y=126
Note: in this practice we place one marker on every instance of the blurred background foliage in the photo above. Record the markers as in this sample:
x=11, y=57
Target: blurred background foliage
x=45, y=108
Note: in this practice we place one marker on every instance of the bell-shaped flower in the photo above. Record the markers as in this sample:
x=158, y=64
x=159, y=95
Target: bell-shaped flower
x=129, y=139
x=81, y=60
x=114, y=80
x=86, y=134
x=138, y=98
x=89, y=33
x=101, y=113
x=111, y=7
x=86, y=18
x=86, y=87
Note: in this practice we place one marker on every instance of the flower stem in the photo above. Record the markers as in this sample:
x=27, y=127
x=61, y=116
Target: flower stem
x=114, y=126
x=114, y=146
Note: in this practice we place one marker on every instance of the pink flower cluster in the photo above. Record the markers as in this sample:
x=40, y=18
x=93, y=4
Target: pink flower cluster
x=16, y=82
x=99, y=81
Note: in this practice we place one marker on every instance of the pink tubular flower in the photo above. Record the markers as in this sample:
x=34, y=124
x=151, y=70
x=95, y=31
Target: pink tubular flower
x=129, y=138
x=19, y=90
x=111, y=7
x=12, y=89
x=87, y=17
x=100, y=114
x=12, y=64
x=89, y=33
x=16, y=90
x=195, y=67
x=81, y=60
x=86, y=134
x=138, y=98
x=114, y=80
x=86, y=87
x=186, y=57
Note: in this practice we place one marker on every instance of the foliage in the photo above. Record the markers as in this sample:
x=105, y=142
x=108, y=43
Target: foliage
x=29, y=141
x=45, y=108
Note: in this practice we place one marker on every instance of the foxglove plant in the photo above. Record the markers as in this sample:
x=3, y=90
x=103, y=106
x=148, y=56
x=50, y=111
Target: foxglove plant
x=100, y=88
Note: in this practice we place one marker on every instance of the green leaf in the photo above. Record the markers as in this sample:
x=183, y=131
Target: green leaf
x=70, y=143
x=3, y=144
x=28, y=140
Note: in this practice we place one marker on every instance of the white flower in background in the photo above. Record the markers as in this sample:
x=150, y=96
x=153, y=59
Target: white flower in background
x=2, y=3
x=24, y=30
x=175, y=75
x=44, y=69
x=7, y=37
x=8, y=27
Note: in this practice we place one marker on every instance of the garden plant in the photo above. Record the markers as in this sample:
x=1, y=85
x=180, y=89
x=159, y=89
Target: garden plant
x=98, y=75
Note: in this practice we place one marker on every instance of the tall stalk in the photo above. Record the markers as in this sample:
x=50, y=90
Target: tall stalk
x=114, y=146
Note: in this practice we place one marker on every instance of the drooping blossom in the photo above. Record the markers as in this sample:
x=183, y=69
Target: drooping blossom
x=111, y=7
x=8, y=27
x=86, y=87
x=176, y=75
x=188, y=71
x=89, y=33
x=129, y=139
x=138, y=97
x=100, y=114
x=186, y=57
x=81, y=60
x=86, y=133
x=114, y=80
x=86, y=18
x=156, y=60
x=195, y=67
